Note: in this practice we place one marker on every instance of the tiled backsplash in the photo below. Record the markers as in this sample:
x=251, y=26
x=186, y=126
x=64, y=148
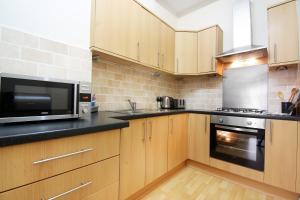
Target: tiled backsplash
x=114, y=84
x=22, y=53
x=282, y=80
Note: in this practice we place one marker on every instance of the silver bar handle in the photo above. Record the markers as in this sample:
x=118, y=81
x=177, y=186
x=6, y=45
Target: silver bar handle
x=158, y=55
x=138, y=51
x=163, y=60
x=271, y=130
x=70, y=191
x=144, y=137
x=275, y=53
x=150, y=134
x=205, y=125
x=237, y=129
x=211, y=62
x=63, y=156
x=177, y=61
x=171, y=120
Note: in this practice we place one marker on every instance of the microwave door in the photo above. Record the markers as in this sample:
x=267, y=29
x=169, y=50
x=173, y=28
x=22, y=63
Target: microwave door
x=32, y=102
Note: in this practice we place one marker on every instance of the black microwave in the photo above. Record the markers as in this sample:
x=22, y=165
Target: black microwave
x=27, y=98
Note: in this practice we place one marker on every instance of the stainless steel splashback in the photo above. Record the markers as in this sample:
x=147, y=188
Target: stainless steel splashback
x=246, y=87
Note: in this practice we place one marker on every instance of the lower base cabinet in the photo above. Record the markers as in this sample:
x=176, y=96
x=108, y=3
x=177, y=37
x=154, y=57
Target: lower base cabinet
x=144, y=147
x=177, y=140
x=99, y=181
x=281, y=154
x=198, y=138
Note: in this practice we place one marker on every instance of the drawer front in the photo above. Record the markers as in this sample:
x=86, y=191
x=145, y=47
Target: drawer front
x=99, y=181
x=24, y=164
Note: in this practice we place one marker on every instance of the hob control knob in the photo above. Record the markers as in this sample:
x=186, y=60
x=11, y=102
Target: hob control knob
x=249, y=123
x=85, y=110
x=221, y=120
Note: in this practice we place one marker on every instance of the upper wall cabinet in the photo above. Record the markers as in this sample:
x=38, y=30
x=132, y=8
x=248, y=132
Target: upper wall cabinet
x=283, y=34
x=116, y=27
x=167, y=48
x=186, y=52
x=210, y=44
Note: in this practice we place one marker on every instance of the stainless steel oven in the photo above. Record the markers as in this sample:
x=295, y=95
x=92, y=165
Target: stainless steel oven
x=238, y=140
x=27, y=98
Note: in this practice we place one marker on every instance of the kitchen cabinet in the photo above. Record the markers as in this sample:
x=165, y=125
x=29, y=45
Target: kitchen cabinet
x=281, y=154
x=283, y=34
x=149, y=39
x=186, y=52
x=97, y=181
x=156, y=148
x=132, y=158
x=177, y=140
x=36, y=161
x=210, y=44
x=116, y=27
x=143, y=154
x=167, y=48
x=198, y=138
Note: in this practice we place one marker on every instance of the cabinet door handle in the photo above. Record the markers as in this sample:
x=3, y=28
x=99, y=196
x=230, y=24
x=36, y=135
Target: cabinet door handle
x=150, y=134
x=158, y=55
x=63, y=156
x=138, y=51
x=205, y=125
x=271, y=130
x=275, y=53
x=82, y=185
x=171, y=122
x=177, y=61
x=212, y=63
x=163, y=60
x=144, y=137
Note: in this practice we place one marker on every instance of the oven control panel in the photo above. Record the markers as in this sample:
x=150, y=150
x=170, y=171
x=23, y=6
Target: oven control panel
x=239, y=121
x=85, y=95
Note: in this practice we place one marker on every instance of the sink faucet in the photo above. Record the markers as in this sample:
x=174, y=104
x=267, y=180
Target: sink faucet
x=132, y=105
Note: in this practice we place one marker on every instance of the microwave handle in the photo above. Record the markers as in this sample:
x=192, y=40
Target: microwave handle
x=76, y=99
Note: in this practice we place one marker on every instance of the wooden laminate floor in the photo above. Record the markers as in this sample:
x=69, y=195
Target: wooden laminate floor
x=192, y=183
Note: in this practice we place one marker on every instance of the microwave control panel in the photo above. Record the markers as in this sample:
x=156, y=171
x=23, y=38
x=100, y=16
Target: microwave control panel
x=85, y=95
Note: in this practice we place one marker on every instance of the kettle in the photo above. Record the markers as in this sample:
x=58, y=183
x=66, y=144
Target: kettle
x=165, y=102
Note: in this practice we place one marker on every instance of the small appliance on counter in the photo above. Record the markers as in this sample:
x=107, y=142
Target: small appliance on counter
x=167, y=102
x=94, y=106
x=28, y=98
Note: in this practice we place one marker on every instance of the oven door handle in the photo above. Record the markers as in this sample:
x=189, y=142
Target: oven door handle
x=237, y=129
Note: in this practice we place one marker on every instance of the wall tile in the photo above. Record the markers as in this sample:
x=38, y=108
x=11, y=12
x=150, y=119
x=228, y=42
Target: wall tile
x=12, y=36
x=36, y=56
x=50, y=71
x=9, y=50
x=18, y=67
x=30, y=41
x=79, y=53
x=52, y=46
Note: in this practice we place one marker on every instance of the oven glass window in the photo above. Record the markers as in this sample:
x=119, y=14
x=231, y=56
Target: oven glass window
x=20, y=97
x=236, y=145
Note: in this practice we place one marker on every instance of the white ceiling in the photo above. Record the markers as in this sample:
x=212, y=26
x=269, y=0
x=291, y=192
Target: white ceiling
x=183, y=7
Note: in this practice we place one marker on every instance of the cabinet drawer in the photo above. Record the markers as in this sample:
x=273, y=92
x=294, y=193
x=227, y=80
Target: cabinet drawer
x=24, y=164
x=99, y=181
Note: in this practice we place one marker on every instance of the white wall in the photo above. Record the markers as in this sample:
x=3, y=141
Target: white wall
x=66, y=21
x=220, y=12
x=160, y=11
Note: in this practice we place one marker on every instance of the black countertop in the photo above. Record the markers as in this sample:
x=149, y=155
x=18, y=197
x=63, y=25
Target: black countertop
x=12, y=134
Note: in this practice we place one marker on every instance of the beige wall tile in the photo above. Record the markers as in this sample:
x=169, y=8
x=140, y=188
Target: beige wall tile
x=52, y=46
x=36, y=55
x=9, y=50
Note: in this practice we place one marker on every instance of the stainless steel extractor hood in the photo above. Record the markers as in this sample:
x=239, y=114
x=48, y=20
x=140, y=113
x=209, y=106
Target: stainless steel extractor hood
x=243, y=48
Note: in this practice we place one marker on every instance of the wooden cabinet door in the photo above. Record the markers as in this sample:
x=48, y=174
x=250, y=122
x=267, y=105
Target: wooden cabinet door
x=156, y=148
x=283, y=33
x=198, y=138
x=116, y=27
x=281, y=154
x=177, y=140
x=167, y=48
x=209, y=45
x=186, y=52
x=298, y=162
x=132, y=158
x=149, y=39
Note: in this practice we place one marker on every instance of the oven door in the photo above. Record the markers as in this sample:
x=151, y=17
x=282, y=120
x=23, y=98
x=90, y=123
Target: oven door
x=241, y=146
x=25, y=99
